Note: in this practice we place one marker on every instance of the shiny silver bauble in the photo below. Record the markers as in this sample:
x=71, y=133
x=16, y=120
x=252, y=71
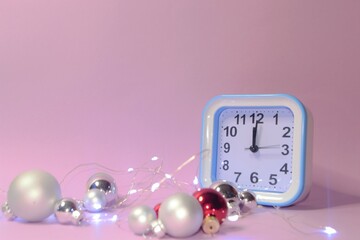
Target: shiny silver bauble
x=230, y=192
x=67, y=212
x=247, y=201
x=105, y=183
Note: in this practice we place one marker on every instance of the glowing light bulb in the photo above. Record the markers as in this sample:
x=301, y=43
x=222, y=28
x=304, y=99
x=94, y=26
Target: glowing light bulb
x=155, y=187
x=154, y=158
x=114, y=218
x=329, y=230
x=132, y=191
x=196, y=181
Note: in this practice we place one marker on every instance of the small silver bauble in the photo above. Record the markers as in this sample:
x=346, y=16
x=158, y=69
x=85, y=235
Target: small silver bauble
x=230, y=192
x=32, y=195
x=94, y=200
x=247, y=201
x=67, y=212
x=181, y=214
x=140, y=219
x=105, y=183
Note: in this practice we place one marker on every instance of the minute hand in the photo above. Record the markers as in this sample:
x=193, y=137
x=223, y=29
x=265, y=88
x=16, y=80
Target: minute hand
x=254, y=148
x=264, y=147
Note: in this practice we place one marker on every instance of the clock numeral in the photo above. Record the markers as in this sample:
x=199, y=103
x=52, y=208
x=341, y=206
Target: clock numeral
x=225, y=165
x=272, y=180
x=276, y=116
x=286, y=149
x=259, y=119
x=284, y=168
x=254, y=177
x=230, y=131
x=237, y=176
x=226, y=147
x=237, y=117
x=287, y=132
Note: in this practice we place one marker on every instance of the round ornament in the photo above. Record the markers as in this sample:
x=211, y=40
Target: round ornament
x=247, y=201
x=181, y=214
x=229, y=191
x=32, y=195
x=94, y=200
x=140, y=219
x=214, y=207
x=105, y=183
x=156, y=208
x=67, y=212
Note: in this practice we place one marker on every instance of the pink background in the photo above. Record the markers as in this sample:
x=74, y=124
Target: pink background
x=117, y=82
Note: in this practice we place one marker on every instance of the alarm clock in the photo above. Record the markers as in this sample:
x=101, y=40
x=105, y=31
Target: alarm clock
x=260, y=143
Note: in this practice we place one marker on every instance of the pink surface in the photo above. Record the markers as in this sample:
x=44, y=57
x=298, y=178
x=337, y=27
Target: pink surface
x=117, y=82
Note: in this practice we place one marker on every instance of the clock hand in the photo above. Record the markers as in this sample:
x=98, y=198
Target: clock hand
x=266, y=147
x=254, y=148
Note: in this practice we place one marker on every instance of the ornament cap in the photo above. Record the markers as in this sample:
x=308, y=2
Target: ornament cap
x=8, y=214
x=210, y=225
x=157, y=229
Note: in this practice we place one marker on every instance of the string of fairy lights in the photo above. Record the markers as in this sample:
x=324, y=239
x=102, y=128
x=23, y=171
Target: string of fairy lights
x=35, y=195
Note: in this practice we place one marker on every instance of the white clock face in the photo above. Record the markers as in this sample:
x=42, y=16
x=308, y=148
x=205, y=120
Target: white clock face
x=255, y=147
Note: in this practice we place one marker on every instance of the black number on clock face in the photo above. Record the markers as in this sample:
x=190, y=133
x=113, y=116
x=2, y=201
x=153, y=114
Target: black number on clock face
x=285, y=149
x=230, y=131
x=284, y=168
x=226, y=147
x=287, y=132
x=255, y=147
x=225, y=165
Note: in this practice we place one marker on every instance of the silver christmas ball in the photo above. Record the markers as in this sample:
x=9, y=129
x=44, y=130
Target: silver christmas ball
x=140, y=219
x=67, y=212
x=94, y=200
x=247, y=201
x=32, y=195
x=230, y=192
x=105, y=183
x=181, y=214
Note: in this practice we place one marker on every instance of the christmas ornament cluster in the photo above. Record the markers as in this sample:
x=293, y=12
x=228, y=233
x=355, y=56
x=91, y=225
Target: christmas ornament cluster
x=182, y=215
x=35, y=195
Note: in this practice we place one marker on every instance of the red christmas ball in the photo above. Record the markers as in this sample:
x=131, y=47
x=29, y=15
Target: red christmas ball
x=213, y=203
x=156, y=209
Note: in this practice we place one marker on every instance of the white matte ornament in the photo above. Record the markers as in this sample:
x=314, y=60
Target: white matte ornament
x=181, y=214
x=140, y=219
x=32, y=195
x=94, y=200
